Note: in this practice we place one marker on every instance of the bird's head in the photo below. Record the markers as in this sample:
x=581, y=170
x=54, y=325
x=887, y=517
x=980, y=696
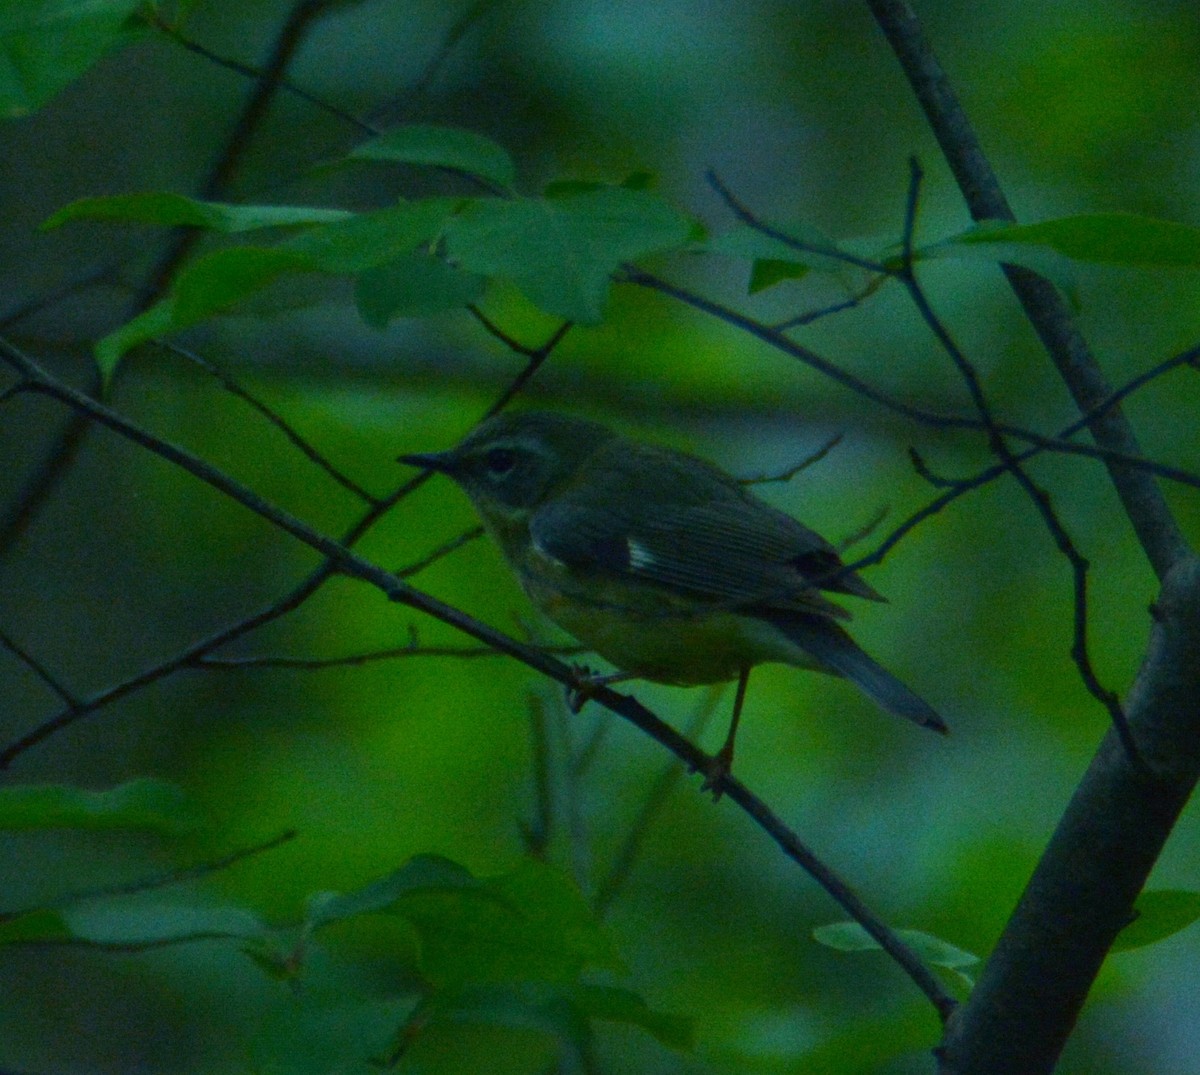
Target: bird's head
x=512, y=463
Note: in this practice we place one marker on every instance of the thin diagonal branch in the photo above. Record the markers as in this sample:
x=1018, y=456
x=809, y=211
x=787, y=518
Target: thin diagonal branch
x=248, y=71
x=744, y=214
x=277, y=609
x=773, y=337
x=87, y=278
x=655, y=798
x=809, y=460
x=39, y=670
x=346, y=562
x=350, y=660
x=163, y=880
x=960, y=487
x=800, y=320
x=444, y=549
x=536, y=357
x=277, y=420
x=414, y=95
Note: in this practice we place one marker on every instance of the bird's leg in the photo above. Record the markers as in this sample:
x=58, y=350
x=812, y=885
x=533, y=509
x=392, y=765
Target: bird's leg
x=587, y=683
x=722, y=761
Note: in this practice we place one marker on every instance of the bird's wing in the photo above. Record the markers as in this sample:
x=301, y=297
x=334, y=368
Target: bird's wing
x=729, y=548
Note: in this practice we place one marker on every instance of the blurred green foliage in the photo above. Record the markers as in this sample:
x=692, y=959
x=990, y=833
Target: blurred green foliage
x=1087, y=109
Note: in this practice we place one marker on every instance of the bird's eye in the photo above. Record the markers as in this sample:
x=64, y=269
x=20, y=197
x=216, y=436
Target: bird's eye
x=500, y=461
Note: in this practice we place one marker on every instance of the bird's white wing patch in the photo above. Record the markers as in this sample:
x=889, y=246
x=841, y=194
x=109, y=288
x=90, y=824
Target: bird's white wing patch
x=640, y=557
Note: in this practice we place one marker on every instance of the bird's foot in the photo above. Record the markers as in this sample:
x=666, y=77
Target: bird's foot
x=586, y=684
x=720, y=765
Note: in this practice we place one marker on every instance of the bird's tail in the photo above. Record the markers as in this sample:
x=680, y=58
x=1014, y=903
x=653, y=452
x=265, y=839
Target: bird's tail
x=840, y=654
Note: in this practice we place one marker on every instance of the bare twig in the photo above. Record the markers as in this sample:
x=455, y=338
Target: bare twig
x=1010, y=462
x=775, y=338
x=55, y=463
x=539, y=830
x=352, y=660
x=960, y=487
x=865, y=531
x=444, y=549
x=38, y=669
x=253, y=73
x=87, y=278
x=274, y=418
x=936, y=480
x=1049, y=314
x=536, y=356
x=588, y=753
x=413, y=96
x=799, y=245
x=163, y=880
x=800, y=320
x=808, y=461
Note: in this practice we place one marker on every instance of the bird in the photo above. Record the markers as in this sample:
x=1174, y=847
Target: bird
x=662, y=563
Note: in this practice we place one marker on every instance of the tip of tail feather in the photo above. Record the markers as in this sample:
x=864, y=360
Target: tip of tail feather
x=830, y=644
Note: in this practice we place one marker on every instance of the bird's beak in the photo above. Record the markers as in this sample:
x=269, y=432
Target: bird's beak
x=441, y=461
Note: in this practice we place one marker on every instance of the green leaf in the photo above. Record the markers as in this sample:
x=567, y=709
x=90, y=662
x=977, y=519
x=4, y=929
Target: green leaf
x=563, y=1010
x=1044, y=260
x=434, y=1037
x=413, y=285
x=420, y=872
x=1106, y=238
x=173, y=210
x=561, y=252
x=314, y=1032
x=529, y=924
x=442, y=147
x=134, y=923
x=276, y=963
x=547, y=898
x=1098, y=238
x=363, y=240
x=640, y=180
x=622, y=1006
x=851, y=937
x=144, y=804
x=773, y=260
x=34, y=927
x=558, y=188
x=1160, y=914
x=214, y=282
x=219, y=280
x=46, y=44
x=768, y=272
x=208, y=285
x=110, y=349
x=472, y=937
x=870, y=1043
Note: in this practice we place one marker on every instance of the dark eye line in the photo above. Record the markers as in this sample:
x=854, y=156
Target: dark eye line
x=500, y=460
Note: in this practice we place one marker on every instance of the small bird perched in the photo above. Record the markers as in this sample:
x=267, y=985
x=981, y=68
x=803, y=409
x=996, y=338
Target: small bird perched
x=661, y=562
